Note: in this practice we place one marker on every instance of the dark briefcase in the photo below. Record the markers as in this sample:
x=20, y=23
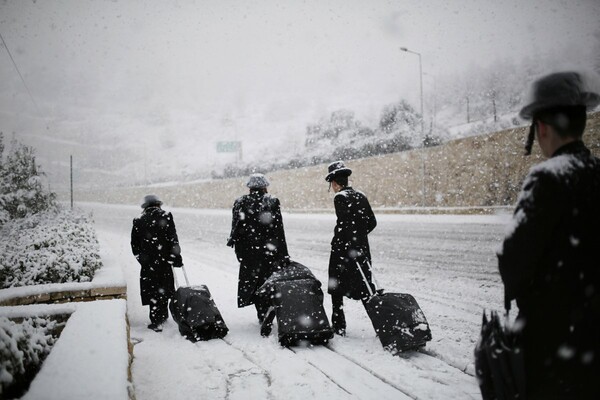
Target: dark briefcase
x=499, y=359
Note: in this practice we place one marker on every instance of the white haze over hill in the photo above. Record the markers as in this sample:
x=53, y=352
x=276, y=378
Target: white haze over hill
x=141, y=91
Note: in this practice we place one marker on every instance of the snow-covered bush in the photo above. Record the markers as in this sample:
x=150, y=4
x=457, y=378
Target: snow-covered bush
x=4, y=215
x=21, y=186
x=56, y=246
x=402, y=123
x=23, y=347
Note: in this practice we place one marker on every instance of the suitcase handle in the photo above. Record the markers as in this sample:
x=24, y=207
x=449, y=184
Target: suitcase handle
x=187, y=282
x=365, y=278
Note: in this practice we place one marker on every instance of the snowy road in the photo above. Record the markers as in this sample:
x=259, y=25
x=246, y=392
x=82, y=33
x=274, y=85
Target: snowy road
x=447, y=263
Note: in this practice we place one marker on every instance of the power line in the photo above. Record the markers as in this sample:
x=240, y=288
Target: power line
x=19, y=72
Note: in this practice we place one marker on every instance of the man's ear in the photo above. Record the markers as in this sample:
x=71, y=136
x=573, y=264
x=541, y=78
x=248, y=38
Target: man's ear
x=542, y=129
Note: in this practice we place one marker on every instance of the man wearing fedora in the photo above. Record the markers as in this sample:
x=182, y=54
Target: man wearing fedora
x=258, y=238
x=549, y=261
x=155, y=245
x=350, y=244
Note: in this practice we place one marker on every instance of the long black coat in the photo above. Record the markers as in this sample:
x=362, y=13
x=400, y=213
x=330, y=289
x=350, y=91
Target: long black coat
x=350, y=244
x=259, y=240
x=550, y=263
x=155, y=245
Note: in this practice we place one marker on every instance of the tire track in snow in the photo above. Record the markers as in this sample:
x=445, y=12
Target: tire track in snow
x=374, y=373
x=422, y=362
x=349, y=375
x=324, y=373
x=238, y=382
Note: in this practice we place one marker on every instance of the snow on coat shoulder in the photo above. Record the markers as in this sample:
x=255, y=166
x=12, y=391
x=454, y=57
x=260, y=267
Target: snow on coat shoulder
x=557, y=168
x=561, y=165
x=344, y=193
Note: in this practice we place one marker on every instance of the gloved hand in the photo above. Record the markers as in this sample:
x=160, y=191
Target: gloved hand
x=230, y=242
x=267, y=324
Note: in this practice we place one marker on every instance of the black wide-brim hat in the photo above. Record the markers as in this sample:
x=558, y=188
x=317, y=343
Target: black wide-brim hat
x=560, y=89
x=337, y=168
x=151, y=200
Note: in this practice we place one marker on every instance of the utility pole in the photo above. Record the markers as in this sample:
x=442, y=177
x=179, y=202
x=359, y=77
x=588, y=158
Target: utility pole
x=468, y=115
x=71, y=181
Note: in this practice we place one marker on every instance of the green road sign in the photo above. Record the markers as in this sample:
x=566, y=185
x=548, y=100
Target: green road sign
x=228, y=147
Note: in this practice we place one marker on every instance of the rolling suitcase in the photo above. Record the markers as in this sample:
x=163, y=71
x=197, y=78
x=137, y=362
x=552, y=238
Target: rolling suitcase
x=397, y=318
x=196, y=313
x=297, y=302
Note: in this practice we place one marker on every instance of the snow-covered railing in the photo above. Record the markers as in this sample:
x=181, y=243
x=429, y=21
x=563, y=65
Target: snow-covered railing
x=475, y=210
x=108, y=283
x=92, y=357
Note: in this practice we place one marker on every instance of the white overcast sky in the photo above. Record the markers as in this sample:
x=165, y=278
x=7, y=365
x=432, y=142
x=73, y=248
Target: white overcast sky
x=266, y=62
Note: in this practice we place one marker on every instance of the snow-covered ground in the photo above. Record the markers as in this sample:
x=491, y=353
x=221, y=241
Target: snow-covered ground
x=446, y=262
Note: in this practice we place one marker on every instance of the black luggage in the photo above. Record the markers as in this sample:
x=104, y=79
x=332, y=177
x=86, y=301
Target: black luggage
x=297, y=302
x=196, y=313
x=397, y=318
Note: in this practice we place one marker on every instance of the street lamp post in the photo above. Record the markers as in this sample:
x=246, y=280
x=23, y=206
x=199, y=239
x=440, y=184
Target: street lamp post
x=422, y=122
x=421, y=86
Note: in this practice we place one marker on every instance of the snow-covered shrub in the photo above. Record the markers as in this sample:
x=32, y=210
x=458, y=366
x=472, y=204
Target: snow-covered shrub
x=4, y=215
x=56, y=246
x=401, y=122
x=21, y=187
x=23, y=347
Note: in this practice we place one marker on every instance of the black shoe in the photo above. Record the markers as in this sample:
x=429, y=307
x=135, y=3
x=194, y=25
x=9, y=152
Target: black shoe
x=340, y=331
x=265, y=330
x=155, y=327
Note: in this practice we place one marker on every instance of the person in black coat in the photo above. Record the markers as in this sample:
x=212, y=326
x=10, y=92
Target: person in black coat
x=155, y=245
x=350, y=251
x=258, y=238
x=549, y=261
